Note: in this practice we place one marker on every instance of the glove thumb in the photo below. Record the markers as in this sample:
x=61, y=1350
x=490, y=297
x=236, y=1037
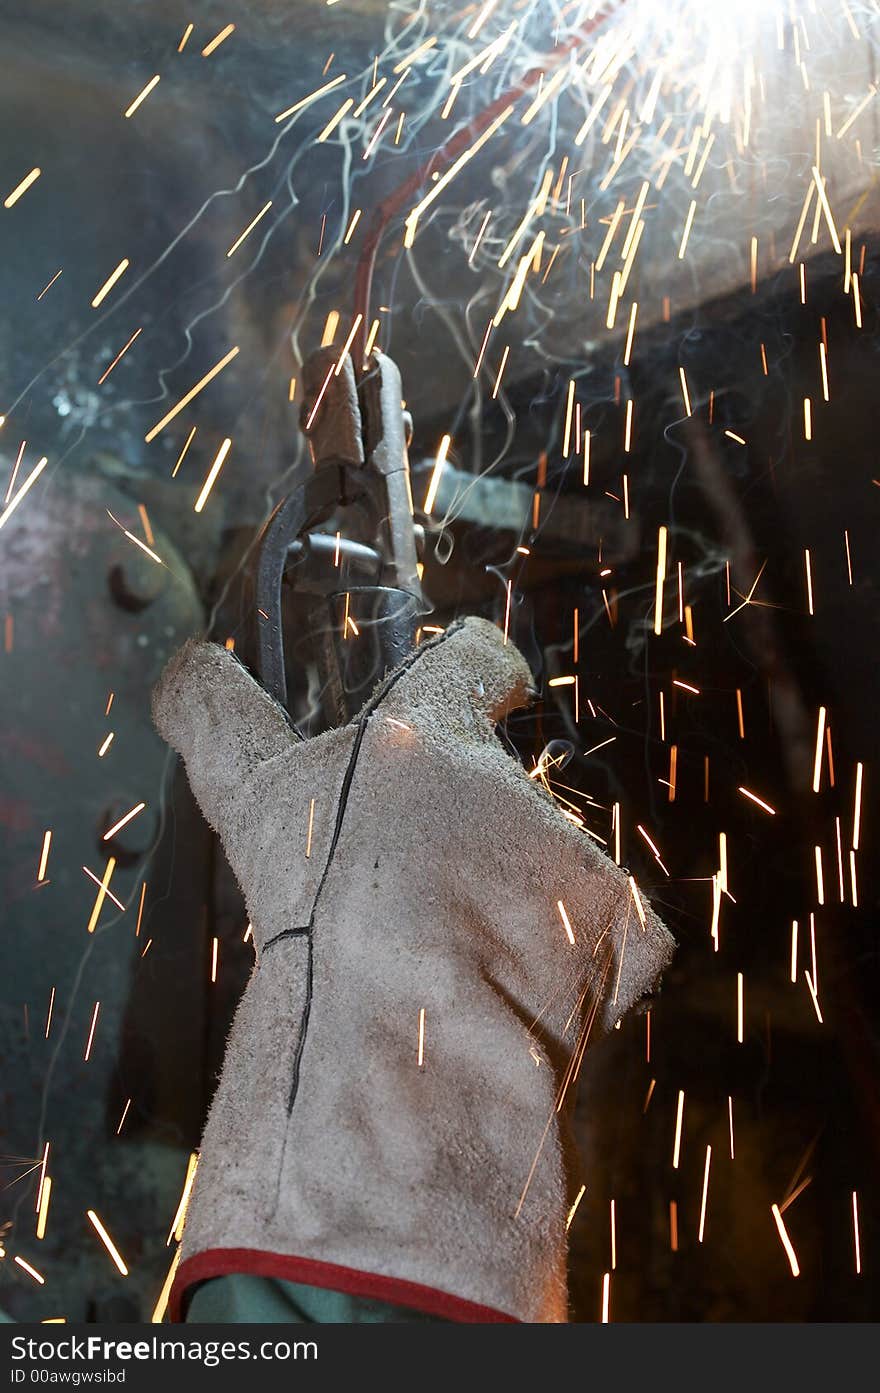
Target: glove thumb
x=212, y=712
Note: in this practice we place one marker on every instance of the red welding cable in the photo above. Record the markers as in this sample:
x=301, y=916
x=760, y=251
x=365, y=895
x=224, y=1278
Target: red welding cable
x=440, y=159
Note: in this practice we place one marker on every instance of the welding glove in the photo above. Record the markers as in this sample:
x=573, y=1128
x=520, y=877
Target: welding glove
x=436, y=944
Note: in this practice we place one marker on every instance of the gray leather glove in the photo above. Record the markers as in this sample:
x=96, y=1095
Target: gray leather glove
x=387, y=1120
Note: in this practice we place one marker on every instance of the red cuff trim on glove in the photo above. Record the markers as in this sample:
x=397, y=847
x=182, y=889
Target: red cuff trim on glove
x=220, y=1262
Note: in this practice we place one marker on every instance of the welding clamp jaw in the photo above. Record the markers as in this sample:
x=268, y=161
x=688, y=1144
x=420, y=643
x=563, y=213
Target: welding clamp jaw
x=345, y=539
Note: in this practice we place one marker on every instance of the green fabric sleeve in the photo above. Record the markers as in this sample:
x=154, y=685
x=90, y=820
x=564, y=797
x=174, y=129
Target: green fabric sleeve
x=240, y=1299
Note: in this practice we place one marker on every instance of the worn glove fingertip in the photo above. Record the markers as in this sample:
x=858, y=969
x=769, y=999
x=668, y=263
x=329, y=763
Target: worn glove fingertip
x=173, y=692
x=502, y=679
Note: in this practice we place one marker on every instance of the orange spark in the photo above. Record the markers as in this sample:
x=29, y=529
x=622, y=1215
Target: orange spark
x=439, y=463
x=142, y=96
x=679, y=1116
x=661, y=575
x=250, y=227
x=574, y=1208
x=820, y=737
x=107, y=1241
x=345, y=347
x=140, y=913
x=107, y=371
x=176, y=1230
x=638, y=903
x=117, y=826
x=31, y=1271
x=786, y=1241
x=22, y=492
x=43, y=1206
x=92, y=1031
x=687, y=229
x=42, y=1175
x=446, y=178
x=11, y=199
x=212, y=475
x=684, y=392
x=421, y=1045
x=705, y=1195
x=137, y=541
x=193, y=392
x=497, y=386
x=49, y=284
x=110, y=282
x=162, y=1303
x=312, y=97
x=44, y=857
x=183, y=452
x=814, y=997
x=627, y=352
x=820, y=876
x=335, y=121
x=110, y=895
x=217, y=40
x=755, y=799
x=565, y=921
x=102, y=891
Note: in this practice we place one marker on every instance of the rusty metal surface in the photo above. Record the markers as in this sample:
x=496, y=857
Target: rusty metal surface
x=68, y=645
